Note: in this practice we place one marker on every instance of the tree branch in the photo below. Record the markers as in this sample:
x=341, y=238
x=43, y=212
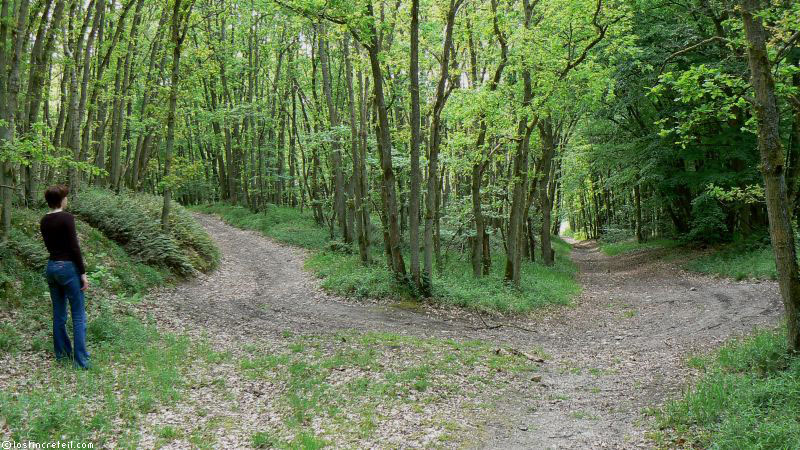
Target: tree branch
x=688, y=49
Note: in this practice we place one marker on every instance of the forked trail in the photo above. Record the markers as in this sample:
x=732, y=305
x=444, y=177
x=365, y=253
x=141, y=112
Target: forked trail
x=621, y=348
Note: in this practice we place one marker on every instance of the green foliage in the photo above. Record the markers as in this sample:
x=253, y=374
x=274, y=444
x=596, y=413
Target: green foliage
x=708, y=220
x=748, y=398
x=190, y=235
x=343, y=273
x=612, y=235
x=133, y=222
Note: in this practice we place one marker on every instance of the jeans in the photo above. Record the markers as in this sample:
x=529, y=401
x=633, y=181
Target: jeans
x=65, y=283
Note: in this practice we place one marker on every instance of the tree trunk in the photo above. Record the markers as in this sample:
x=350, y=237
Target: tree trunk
x=432, y=197
x=547, y=136
x=416, y=175
x=392, y=228
x=336, y=157
x=358, y=187
x=772, y=167
x=179, y=26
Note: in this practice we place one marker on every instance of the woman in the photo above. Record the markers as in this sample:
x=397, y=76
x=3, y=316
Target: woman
x=66, y=276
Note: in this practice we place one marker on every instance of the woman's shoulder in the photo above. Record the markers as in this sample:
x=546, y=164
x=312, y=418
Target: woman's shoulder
x=58, y=216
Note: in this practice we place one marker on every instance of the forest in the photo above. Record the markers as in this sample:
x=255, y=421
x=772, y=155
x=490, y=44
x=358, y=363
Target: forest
x=459, y=150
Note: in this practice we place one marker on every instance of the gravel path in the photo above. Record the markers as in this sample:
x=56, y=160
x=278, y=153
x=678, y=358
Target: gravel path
x=620, y=349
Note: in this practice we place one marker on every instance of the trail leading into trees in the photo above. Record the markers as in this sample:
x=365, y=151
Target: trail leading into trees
x=622, y=348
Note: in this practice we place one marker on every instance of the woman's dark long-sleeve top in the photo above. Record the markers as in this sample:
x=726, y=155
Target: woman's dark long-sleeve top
x=61, y=239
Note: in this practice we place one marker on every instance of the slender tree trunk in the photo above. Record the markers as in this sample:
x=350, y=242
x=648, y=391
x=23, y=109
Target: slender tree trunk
x=416, y=175
x=772, y=167
x=637, y=199
x=432, y=196
x=336, y=157
x=358, y=193
x=179, y=26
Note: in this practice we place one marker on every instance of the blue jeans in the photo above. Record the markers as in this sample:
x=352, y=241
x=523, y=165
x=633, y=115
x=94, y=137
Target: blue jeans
x=65, y=283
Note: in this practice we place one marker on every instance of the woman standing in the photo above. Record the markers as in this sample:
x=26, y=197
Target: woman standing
x=66, y=277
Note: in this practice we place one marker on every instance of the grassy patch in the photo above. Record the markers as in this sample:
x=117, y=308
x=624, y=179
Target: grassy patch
x=748, y=398
x=135, y=370
x=343, y=273
x=630, y=245
x=133, y=221
x=342, y=388
x=739, y=261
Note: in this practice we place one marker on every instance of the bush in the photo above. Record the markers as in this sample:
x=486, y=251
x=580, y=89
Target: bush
x=708, y=221
x=192, y=238
x=740, y=260
x=613, y=235
x=129, y=220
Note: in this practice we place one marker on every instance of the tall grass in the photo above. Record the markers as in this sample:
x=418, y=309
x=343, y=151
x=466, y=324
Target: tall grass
x=343, y=273
x=749, y=397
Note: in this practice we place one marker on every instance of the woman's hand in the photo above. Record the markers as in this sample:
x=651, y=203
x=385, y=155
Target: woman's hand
x=84, y=282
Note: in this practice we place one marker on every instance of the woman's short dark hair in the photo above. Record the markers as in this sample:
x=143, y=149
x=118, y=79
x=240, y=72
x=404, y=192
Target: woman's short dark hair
x=55, y=194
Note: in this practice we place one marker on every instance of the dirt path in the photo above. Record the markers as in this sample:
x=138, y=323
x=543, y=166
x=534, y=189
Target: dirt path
x=622, y=348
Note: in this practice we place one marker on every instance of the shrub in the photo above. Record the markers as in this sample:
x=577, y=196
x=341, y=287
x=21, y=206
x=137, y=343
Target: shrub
x=708, y=220
x=613, y=235
x=128, y=220
x=192, y=238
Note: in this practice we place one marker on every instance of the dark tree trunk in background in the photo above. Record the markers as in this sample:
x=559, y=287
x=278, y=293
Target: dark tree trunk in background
x=637, y=198
x=547, y=136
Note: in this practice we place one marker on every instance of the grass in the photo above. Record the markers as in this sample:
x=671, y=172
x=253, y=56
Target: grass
x=630, y=246
x=744, y=258
x=343, y=273
x=342, y=388
x=748, y=397
x=136, y=368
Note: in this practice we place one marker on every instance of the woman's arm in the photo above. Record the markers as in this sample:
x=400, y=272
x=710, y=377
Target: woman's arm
x=75, y=250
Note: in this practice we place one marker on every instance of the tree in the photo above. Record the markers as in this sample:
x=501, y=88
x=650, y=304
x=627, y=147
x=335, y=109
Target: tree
x=772, y=166
x=179, y=25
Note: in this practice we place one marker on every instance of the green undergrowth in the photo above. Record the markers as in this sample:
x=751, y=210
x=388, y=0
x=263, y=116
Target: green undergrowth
x=135, y=369
x=741, y=259
x=342, y=388
x=630, y=246
x=750, y=258
x=748, y=397
x=134, y=221
x=343, y=273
